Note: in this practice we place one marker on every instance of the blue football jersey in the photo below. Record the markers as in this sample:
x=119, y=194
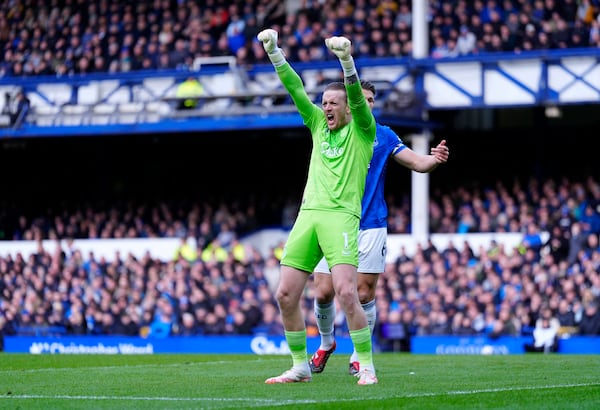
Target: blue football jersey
x=374, y=207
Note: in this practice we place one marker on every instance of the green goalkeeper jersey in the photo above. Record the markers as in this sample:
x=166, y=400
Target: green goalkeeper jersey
x=340, y=159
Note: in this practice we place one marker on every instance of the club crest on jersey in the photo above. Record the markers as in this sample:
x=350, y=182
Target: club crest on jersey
x=331, y=152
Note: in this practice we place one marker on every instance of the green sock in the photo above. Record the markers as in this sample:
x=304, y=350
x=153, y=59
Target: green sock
x=363, y=345
x=297, y=343
x=371, y=314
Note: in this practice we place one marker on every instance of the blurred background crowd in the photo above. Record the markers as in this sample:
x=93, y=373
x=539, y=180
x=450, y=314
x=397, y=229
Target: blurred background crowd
x=221, y=286
x=63, y=37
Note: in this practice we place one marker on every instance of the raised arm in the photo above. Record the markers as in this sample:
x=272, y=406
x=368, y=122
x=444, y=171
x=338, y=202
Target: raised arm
x=361, y=112
x=289, y=78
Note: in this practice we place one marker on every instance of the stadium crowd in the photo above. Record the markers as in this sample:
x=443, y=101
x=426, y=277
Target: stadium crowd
x=65, y=37
x=221, y=286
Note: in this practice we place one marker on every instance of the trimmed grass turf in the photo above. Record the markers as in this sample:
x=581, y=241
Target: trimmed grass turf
x=160, y=381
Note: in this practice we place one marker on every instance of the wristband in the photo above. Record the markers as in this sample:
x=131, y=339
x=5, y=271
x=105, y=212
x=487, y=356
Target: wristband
x=348, y=66
x=277, y=57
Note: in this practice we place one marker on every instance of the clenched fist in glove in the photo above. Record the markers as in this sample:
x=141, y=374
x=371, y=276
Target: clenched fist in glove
x=340, y=46
x=269, y=39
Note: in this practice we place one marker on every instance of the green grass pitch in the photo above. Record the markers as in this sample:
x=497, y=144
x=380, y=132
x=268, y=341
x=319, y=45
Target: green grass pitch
x=198, y=381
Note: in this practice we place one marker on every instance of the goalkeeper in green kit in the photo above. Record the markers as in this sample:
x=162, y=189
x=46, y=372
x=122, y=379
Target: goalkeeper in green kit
x=343, y=132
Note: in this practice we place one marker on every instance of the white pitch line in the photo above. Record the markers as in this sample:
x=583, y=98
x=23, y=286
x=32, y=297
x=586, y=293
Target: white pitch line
x=257, y=402
x=133, y=366
x=122, y=398
x=500, y=389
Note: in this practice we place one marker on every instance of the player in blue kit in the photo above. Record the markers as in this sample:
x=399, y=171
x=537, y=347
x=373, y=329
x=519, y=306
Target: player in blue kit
x=372, y=236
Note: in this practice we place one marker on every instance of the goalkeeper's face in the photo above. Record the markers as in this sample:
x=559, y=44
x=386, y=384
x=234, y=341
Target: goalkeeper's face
x=335, y=107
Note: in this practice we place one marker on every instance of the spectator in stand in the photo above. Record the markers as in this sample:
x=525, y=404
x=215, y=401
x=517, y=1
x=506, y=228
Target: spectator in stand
x=213, y=325
x=187, y=249
x=467, y=222
x=565, y=314
x=590, y=321
x=545, y=337
x=467, y=42
x=241, y=325
x=18, y=109
x=506, y=324
x=188, y=326
x=125, y=325
x=462, y=325
x=590, y=219
x=592, y=248
x=440, y=48
x=76, y=324
x=235, y=30
x=532, y=238
x=577, y=242
x=546, y=313
x=188, y=93
x=162, y=323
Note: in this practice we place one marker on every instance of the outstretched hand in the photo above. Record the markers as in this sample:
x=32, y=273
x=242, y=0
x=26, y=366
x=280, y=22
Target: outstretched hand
x=269, y=39
x=441, y=152
x=340, y=46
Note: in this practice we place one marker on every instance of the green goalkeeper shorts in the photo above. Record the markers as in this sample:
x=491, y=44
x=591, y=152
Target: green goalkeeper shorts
x=318, y=233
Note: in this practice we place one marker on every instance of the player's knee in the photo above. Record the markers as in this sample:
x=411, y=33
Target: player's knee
x=364, y=297
x=366, y=291
x=283, y=297
x=363, y=294
x=346, y=295
x=323, y=294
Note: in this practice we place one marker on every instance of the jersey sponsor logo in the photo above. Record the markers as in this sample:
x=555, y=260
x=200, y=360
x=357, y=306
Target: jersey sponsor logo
x=331, y=152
